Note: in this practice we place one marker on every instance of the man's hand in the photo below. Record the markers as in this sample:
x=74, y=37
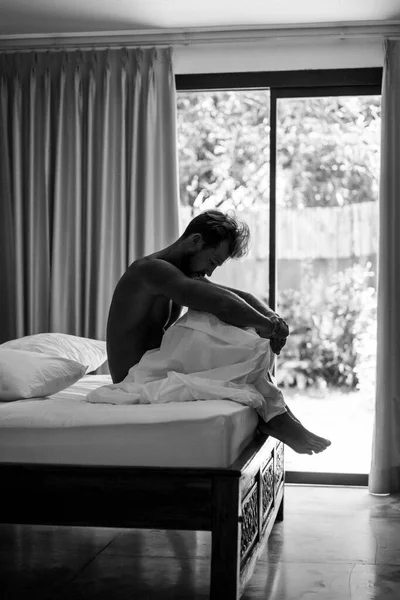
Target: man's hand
x=280, y=327
x=277, y=344
x=278, y=335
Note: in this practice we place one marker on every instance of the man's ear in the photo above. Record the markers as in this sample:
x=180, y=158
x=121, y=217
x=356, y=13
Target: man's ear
x=197, y=240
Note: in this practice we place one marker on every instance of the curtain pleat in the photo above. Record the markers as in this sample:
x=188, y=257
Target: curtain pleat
x=136, y=143
x=167, y=163
x=79, y=201
x=90, y=231
x=43, y=212
x=385, y=466
x=37, y=226
x=87, y=181
x=123, y=126
x=149, y=217
x=107, y=198
x=19, y=213
x=60, y=292
x=8, y=309
x=30, y=229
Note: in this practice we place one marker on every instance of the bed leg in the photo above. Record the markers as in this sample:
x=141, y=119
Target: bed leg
x=225, y=551
x=279, y=514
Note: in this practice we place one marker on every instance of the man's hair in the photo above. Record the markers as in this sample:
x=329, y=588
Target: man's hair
x=216, y=227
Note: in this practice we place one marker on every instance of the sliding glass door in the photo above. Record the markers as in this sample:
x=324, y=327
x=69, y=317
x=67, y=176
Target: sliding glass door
x=327, y=171
x=298, y=159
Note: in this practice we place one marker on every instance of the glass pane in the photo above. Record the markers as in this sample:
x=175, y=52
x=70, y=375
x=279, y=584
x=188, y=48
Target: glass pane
x=223, y=144
x=327, y=235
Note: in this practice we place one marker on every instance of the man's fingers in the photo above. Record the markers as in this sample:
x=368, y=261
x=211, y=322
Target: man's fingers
x=284, y=328
x=277, y=344
x=281, y=328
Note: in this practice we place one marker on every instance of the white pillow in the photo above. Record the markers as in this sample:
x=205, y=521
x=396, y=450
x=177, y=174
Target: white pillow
x=86, y=351
x=32, y=374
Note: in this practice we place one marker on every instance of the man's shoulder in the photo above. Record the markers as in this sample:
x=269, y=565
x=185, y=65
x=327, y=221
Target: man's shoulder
x=142, y=265
x=148, y=274
x=151, y=265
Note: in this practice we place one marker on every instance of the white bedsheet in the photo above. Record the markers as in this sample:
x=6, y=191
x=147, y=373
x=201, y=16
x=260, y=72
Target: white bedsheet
x=65, y=429
x=201, y=358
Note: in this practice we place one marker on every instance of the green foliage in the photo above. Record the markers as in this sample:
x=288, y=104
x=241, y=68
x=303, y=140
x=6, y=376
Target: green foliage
x=336, y=325
x=327, y=155
x=223, y=141
x=328, y=149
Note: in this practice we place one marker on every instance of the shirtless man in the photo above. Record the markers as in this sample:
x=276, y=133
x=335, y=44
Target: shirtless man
x=150, y=295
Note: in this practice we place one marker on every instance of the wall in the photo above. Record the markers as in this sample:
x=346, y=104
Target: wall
x=276, y=55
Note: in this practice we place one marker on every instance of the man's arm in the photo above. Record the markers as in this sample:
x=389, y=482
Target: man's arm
x=277, y=343
x=163, y=278
x=260, y=306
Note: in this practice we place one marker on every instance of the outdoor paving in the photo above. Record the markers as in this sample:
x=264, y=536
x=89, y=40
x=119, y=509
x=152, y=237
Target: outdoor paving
x=345, y=418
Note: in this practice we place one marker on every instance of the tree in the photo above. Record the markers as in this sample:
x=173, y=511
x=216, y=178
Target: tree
x=327, y=155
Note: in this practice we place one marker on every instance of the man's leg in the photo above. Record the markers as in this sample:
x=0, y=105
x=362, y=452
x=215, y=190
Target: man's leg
x=286, y=428
x=286, y=406
x=291, y=432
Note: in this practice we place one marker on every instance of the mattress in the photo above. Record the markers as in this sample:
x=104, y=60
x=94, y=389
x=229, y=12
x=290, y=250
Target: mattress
x=64, y=429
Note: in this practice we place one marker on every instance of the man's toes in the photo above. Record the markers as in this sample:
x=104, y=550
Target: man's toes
x=318, y=449
x=322, y=442
x=305, y=451
x=314, y=443
x=322, y=446
x=318, y=446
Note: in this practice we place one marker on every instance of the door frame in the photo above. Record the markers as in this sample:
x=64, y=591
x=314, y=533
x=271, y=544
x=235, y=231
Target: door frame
x=291, y=84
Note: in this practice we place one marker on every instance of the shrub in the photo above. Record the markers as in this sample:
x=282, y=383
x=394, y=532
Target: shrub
x=333, y=330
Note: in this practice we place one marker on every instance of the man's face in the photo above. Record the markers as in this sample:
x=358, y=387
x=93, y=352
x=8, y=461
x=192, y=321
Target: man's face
x=203, y=262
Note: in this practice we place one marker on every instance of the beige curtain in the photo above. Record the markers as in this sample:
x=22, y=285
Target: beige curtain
x=385, y=468
x=88, y=181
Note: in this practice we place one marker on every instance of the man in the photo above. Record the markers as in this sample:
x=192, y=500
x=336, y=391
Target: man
x=149, y=297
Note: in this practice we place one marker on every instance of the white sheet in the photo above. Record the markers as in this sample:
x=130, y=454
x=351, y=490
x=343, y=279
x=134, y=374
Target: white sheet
x=201, y=358
x=65, y=429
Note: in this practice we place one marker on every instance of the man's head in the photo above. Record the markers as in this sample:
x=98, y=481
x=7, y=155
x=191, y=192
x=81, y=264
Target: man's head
x=210, y=239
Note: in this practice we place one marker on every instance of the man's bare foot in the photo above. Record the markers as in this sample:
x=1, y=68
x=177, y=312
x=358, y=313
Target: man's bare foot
x=291, y=432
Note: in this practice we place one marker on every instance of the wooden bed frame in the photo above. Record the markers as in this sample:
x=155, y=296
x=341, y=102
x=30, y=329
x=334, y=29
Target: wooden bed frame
x=239, y=504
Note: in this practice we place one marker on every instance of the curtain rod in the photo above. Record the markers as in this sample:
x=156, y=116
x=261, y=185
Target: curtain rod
x=377, y=30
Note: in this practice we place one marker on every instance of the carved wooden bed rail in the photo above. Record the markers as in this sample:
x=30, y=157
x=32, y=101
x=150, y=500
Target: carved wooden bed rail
x=239, y=504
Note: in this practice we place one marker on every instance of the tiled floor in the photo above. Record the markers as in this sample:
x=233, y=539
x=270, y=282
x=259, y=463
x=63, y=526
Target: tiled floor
x=334, y=544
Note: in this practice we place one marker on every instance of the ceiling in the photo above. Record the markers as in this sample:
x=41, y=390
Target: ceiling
x=24, y=17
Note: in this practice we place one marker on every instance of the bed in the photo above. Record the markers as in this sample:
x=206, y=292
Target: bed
x=191, y=466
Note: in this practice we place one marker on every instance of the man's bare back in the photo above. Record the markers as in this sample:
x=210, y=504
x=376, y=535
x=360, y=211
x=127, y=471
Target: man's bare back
x=137, y=320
